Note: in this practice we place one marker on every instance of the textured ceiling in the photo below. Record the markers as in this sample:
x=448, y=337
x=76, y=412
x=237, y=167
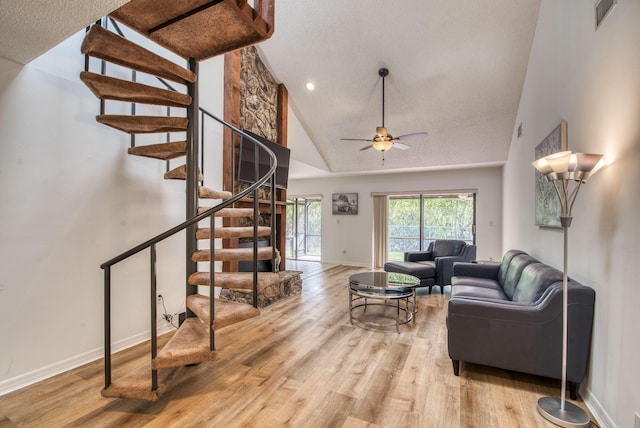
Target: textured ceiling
x=28, y=28
x=456, y=71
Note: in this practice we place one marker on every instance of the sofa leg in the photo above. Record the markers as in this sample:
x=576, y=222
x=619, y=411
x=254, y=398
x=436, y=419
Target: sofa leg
x=573, y=390
x=456, y=367
x=442, y=289
x=430, y=287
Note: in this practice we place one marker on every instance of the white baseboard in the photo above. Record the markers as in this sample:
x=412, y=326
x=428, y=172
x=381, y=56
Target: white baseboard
x=26, y=379
x=598, y=412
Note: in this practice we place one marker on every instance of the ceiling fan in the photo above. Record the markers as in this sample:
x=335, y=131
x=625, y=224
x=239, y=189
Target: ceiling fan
x=383, y=141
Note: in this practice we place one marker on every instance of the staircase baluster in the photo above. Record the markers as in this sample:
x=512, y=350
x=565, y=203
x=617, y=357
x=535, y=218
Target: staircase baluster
x=154, y=319
x=212, y=232
x=274, y=267
x=133, y=110
x=107, y=327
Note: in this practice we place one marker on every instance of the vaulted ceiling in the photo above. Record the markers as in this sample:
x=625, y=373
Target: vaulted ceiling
x=456, y=71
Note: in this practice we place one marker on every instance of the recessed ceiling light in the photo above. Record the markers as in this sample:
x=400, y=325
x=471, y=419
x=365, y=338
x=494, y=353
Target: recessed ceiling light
x=310, y=86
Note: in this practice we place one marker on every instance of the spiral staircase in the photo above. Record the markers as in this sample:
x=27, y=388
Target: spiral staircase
x=194, y=30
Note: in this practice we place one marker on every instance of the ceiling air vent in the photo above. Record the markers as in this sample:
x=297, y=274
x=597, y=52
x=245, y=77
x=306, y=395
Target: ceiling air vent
x=603, y=9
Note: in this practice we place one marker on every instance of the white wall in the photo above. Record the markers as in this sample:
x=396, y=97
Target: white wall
x=347, y=239
x=71, y=199
x=591, y=80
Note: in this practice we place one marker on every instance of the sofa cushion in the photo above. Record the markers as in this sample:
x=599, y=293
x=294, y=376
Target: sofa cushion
x=421, y=270
x=506, y=261
x=534, y=281
x=447, y=247
x=518, y=263
x=475, y=281
x=478, y=292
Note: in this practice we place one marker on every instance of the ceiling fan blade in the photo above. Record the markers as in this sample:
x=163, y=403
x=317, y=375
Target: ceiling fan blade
x=412, y=136
x=366, y=147
x=354, y=139
x=400, y=146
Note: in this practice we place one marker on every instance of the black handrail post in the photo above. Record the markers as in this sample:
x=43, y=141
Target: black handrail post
x=256, y=220
x=202, y=147
x=274, y=224
x=133, y=109
x=154, y=319
x=192, y=179
x=212, y=263
x=107, y=327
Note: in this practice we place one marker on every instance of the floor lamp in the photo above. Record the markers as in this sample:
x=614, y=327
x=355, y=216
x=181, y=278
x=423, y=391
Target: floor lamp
x=561, y=169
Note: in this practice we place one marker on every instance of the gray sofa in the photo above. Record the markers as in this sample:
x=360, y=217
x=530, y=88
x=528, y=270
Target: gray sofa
x=509, y=315
x=435, y=265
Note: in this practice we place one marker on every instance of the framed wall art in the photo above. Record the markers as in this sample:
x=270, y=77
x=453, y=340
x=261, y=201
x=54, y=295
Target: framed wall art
x=344, y=203
x=548, y=207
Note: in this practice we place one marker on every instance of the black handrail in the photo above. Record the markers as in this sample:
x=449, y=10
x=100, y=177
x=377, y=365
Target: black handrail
x=210, y=211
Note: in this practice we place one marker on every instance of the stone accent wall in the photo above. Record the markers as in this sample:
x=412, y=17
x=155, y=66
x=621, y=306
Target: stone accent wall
x=290, y=283
x=258, y=96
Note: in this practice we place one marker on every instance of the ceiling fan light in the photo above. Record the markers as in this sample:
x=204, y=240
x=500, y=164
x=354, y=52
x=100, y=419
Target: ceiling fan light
x=382, y=145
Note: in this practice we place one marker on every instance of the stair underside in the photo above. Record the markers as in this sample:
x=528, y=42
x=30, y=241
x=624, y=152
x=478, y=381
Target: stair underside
x=163, y=151
x=137, y=384
x=232, y=232
x=189, y=345
x=110, y=88
x=232, y=254
x=226, y=312
x=238, y=280
x=144, y=124
x=198, y=29
x=180, y=173
x=104, y=44
x=207, y=193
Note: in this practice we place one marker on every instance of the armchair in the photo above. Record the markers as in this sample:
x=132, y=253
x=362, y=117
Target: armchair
x=435, y=265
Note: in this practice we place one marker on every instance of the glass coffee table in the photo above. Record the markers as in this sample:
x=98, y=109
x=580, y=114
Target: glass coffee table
x=389, y=290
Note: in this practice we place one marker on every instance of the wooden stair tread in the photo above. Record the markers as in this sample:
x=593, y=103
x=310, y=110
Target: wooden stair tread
x=229, y=212
x=238, y=280
x=226, y=312
x=232, y=254
x=189, y=345
x=207, y=193
x=144, y=124
x=104, y=44
x=137, y=384
x=111, y=88
x=180, y=173
x=205, y=28
x=162, y=151
x=232, y=232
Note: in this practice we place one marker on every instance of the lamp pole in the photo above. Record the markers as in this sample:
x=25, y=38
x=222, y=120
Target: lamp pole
x=561, y=168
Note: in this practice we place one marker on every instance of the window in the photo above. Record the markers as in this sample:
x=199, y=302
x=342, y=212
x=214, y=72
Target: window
x=417, y=220
x=303, y=228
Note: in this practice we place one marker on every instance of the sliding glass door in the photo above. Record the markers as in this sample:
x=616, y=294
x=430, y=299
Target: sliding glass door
x=303, y=228
x=417, y=220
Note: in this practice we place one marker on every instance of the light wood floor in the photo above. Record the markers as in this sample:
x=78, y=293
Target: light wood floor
x=302, y=364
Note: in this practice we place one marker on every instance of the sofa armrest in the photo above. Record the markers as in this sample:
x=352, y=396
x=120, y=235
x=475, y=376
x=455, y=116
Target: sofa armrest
x=418, y=256
x=444, y=268
x=480, y=270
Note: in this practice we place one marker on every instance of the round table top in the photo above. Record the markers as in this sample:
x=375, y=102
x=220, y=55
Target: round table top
x=383, y=280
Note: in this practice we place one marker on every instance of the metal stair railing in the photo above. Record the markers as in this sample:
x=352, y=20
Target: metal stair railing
x=151, y=245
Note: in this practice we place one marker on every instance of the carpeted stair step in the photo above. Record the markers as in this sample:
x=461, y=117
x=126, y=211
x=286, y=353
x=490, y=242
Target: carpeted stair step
x=104, y=44
x=207, y=193
x=239, y=280
x=137, y=384
x=230, y=212
x=179, y=173
x=226, y=312
x=110, y=88
x=189, y=345
x=232, y=254
x=196, y=28
x=232, y=232
x=144, y=124
x=162, y=151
